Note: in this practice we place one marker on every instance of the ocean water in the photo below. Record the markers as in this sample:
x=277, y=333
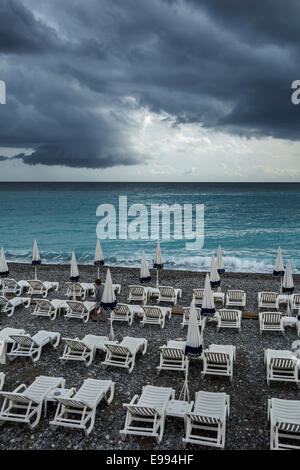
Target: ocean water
x=249, y=220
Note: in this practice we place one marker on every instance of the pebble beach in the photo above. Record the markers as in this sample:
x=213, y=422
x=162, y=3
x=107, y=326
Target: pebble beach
x=247, y=428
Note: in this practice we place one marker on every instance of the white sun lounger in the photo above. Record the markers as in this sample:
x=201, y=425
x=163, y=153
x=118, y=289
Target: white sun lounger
x=235, y=298
x=209, y=414
x=284, y=417
x=80, y=310
x=24, y=404
x=2, y=379
x=84, y=350
x=138, y=293
x=123, y=354
x=282, y=366
x=229, y=319
x=125, y=312
x=218, y=360
x=79, y=289
x=41, y=288
x=271, y=321
x=8, y=306
x=83, y=403
x=295, y=302
x=155, y=315
x=48, y=308
x=198, y=296
x=267, y=300
x=27, y=346
x=10, y=286
x=148, y=409
x=168, y=294
x=186, y=315
x=172, y=357
x=5, y=339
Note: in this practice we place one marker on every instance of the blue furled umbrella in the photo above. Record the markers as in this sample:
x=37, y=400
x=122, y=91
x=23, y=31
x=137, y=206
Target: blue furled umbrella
x=4, y=272
x=208, y=304
x=36, y=260
x=144, y=273
x=98, y=260
x=220, y=264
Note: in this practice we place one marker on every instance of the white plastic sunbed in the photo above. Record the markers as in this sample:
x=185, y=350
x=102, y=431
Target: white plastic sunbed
x=209, y=414
x=125, y=312
x=8, y=306
x=267, y=300
x=24, y=404
x=284, y=416
x=148, y=409
x=282, y=366
x=201, y=320
x=5, y=339
x=218, y=360
x=172, y=357
x=138, y=293
x=27, y=346
x=123, y=354
x=10, y=286
x=37, y=287
x=155, y=315
x=84, y=350
x=168, y=294
x=271, y=321
x=80, y=310
x=83, y=403
x=48, y=308
x=235, y=298
x=229, y=319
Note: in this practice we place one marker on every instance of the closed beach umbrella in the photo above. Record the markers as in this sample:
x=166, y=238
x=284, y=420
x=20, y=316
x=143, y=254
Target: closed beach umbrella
x=278, y=268
x=109, y=301
x=288, y=283
x=144, y=273
x=193, y=347
x=158, y=262
x=98, y=260
x=220, y=264
x=214, y=277
x=208, y=304
x=4, y=272
x=36, y=260
x=74, y=269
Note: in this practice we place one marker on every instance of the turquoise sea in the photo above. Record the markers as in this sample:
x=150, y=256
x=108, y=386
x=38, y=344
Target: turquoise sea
x=249, y=220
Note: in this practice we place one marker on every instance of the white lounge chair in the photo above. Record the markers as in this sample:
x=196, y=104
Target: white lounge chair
x=79, y=289
x=186, y=315
x=80, y=310
x=267, y=300
x=155, y=315
x=284, y=416
x=235, y=298
x=137, y=293
x=2, y=379
x=83, y=403
x=168, y=294
x=295, y=302
x=218, y=360
x=123, y=354
x=6, y=340
x=37, y=287
x=125, y=312
x=271, y=321
x=24, y=404
x=84, y=350
x=198, y=296
x=27, y=346
x=10, y=286
x=209, y=415
x=282, y=366
x=8, y=306
x=229, y=319
x=172, y=357
x=47, y=308
x=146, y=414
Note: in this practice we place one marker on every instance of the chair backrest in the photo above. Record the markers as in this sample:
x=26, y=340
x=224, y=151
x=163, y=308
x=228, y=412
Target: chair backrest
x=122, y=309
x=269, y=297
x=186, y=312
x=141, y=410
x=22, y=340
x=75, y=344
x=296, y=299
x=74, y=287
x=9, y=283
x=282, y=363
x=152, y=312
x=216, y=357
x=43, y=305
x=117, y=350
x=235, y=295
x=36, y=285
x=203, y=419
x=76, y=306
x=4, y=302
x=271, y=318
x=228, y=315
x=136, y=290
x=172, y=353
x=166, y=291
x=198, y=293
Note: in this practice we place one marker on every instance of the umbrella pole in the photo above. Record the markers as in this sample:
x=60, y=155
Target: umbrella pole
x=185, y=394
x=111, y=336
x=288, y=311
x=35, y=272
x=98, y=272
x=157, y=278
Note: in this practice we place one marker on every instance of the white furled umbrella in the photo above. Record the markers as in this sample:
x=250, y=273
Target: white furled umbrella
x=109, y=301
x=4, y=272
x=158, y=262
x=98, y=260
x=220, y=264
x=208, y=304
x=36, y=260
x=279, y=267
x=214, y=277
x=193, y=347
x=288, y=284
x=144, y=273
x=74, y=277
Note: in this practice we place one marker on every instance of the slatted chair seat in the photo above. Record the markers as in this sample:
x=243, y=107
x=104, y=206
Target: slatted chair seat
x=229, y=319
x=284, y=416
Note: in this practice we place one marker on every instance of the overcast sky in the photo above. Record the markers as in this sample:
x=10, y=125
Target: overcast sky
x=149, y=90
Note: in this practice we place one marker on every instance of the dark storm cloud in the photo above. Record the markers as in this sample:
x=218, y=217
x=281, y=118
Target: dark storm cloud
x=68, y=66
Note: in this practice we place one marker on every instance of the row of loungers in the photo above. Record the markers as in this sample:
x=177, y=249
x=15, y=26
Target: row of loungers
x=204, y=418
